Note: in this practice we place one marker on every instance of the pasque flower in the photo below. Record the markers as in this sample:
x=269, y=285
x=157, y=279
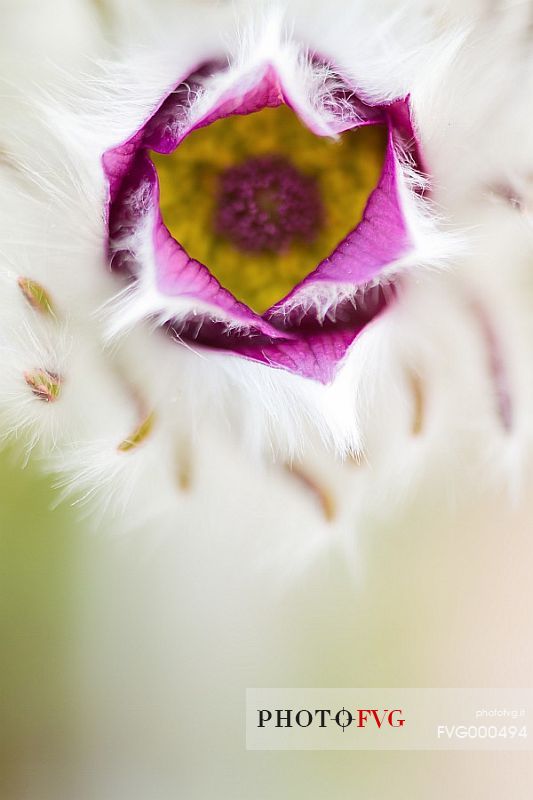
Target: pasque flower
x=265, y=211
x=224, y=233
x=218, y=230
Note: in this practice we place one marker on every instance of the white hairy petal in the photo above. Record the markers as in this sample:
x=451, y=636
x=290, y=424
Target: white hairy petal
x=64, y=114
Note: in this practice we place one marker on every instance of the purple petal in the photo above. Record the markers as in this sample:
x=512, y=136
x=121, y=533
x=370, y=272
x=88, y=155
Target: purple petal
x=298, y=341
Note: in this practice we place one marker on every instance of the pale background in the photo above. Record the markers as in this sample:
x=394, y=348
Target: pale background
x=125, y=661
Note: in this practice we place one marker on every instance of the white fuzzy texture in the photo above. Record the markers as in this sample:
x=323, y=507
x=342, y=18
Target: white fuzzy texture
x=52, y=135
x=205, y=595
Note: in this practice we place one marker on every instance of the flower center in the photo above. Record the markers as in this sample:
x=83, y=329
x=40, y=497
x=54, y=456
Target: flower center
x=261, y=200
x=266, y=204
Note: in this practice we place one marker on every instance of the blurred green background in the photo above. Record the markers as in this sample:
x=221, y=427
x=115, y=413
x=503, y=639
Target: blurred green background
x=125, y=659
x=37, y=553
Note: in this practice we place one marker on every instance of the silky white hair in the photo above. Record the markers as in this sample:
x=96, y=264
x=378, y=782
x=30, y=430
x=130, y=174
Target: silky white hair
x=418, y=378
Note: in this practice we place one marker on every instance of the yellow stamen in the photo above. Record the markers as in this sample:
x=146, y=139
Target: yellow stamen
x=36, y=295
x=346, y=171
x=417, y=390
x=45, y=385
x=139, y=435
x=322, y=494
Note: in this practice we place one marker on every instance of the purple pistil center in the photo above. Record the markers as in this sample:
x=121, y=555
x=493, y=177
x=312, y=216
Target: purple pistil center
x=266, y=204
